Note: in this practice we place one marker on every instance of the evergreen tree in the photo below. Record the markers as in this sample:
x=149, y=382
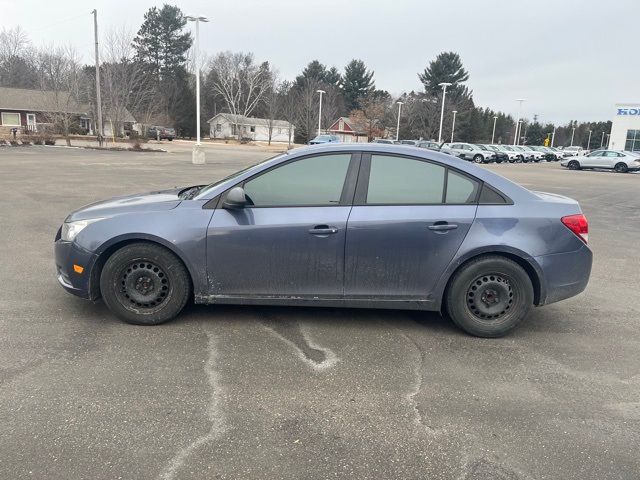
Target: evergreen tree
x=332, y=77
x=357, y=83
x=446, y=68
x=313, y=71
x=161, y=45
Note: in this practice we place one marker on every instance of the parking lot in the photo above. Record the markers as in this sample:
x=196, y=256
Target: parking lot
x=306, y=393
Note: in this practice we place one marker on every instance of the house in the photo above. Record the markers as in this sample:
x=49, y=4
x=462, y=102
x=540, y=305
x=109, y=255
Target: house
x=227, y=125
x=348, y=130
x=27, y=110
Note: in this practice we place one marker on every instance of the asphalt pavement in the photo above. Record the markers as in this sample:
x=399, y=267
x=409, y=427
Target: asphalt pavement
x=306, y=393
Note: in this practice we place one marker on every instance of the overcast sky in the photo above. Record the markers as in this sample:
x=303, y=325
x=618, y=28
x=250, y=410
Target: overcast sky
x=571, y=59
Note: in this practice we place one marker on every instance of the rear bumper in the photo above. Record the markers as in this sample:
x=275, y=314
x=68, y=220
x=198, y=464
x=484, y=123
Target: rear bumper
x=67, y=254
x=565, y=274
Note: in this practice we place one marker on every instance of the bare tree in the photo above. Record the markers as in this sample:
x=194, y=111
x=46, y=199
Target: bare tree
x=125, y=86
x=17, y=59
x=307, y=101
x=60, y=81
x=240, y=81
x=288, y=100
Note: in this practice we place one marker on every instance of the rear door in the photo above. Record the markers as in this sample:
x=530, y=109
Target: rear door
x=409, y=218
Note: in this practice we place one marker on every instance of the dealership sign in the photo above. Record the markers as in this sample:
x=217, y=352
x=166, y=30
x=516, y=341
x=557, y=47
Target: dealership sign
x=629, y=111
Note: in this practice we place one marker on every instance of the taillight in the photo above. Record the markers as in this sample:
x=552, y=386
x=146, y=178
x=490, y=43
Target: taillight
x=578, y=224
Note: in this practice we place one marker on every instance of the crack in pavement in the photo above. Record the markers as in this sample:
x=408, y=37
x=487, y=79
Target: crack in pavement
x=297, y=336
x=214, y=414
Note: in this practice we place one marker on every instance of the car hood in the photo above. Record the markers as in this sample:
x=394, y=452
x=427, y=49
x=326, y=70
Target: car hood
x=142, y=202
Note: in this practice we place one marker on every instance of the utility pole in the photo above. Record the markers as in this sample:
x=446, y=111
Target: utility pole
x=398, y=126
x=98, y=97
x=493, y=134
x=453, y=125
x=197, y=155
x=515, y=137
x=320, y=111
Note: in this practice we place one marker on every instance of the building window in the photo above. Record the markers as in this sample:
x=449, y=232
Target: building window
x=218, y=127
x=633, y=141
x=253, y=129
x=10, y=119
x=233, y=129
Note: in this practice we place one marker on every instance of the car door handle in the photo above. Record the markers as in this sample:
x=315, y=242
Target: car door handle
x=442, y=226
x=323, y=230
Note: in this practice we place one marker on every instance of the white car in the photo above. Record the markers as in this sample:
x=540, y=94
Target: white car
x=514, y=154
x=621, y=162
x=529, y=153
x=469, y=151
x=573, y=151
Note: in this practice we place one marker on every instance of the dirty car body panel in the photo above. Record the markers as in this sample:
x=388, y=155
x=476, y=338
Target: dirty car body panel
x=352, y=251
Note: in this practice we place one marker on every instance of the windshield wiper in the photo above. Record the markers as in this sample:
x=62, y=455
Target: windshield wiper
x=190, y=192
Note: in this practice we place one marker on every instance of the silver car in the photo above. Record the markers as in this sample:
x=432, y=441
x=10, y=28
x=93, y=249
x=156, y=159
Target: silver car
x=529, y=154
x=618, y=160
x=469, y=151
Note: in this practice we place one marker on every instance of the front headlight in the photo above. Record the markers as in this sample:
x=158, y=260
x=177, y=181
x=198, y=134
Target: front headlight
x=70, y=230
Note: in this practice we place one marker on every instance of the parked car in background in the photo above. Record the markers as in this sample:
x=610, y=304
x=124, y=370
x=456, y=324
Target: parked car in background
x=512, y=155
x=470, y=152
x=161, y=133
x=499, y=156
x=389, y=226
x=320, y=139
x=573, y=151
x=409, y=142
x=429, y=145
x=529, y=154
x=618, y=160
x=549, y=156
x=385, y=141
x=559, y=153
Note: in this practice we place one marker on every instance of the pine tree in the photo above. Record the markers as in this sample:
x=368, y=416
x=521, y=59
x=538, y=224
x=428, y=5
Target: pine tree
x=446, y=68
x=357, y=83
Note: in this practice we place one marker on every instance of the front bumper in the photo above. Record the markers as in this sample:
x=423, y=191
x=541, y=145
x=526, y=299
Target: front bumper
x=68, y=254
x=565, y=274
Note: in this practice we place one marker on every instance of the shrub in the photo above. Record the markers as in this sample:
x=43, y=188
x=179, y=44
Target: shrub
x=136, y=145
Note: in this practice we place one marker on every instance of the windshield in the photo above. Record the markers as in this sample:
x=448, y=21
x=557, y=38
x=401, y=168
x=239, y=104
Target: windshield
x=482, y=147
x=323, y=137
x=203, y=191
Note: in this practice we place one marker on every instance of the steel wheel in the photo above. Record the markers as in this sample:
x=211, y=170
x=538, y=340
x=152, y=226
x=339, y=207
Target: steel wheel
x=490, y=297
x=143, y=286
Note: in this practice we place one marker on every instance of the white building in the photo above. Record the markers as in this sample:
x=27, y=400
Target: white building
x=227, y=125
x=625, y=128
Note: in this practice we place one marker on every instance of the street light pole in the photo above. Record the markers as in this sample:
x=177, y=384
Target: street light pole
x=515, y=137
x=573, y=132
x=493, y=134
x=398, y=126
x=553, y=135
x=197, y=156
x=444, y=86
x=98, y=99
x=602, y=140
x=608, y=138
x=589, y=141
x=453, y=126
x=320, y=111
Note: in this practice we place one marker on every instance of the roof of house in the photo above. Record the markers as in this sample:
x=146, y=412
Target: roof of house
x=242, y=120
x=349, y=125
x=23, y=99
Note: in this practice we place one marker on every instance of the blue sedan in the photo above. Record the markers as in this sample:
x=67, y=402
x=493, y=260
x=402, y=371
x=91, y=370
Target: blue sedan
x=347, y=225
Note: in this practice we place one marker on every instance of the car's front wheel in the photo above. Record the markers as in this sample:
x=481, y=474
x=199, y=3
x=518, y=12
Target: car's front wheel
x=144, y=284
x=478, y=158
x=489, y=296
x=621, y=167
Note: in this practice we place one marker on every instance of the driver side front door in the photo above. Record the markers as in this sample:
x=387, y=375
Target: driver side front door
x=288, y=242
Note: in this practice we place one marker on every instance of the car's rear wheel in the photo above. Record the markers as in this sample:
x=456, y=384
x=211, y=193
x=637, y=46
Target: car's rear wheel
x=478, y=158
x=489, y=296
x=573, y=165
x=144, y=284
x=621, y=167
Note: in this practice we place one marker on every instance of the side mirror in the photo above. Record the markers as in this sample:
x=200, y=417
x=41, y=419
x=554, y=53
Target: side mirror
x=235, y=198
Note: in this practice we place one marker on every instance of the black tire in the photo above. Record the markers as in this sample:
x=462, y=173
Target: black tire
x=520, y=159
x=512, y=160
x=621, y=167
x=478, y=158
x=573, y=165
x=144, y=284
x=489, y=296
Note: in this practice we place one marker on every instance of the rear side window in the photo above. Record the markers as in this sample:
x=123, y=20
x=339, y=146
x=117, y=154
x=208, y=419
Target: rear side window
x=461, y=189
x=489, y=196
x=404, y=181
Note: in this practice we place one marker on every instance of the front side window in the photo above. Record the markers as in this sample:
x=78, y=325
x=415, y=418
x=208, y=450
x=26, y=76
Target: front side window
x=312, y=181
x=404, y=181
x=10, y=119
